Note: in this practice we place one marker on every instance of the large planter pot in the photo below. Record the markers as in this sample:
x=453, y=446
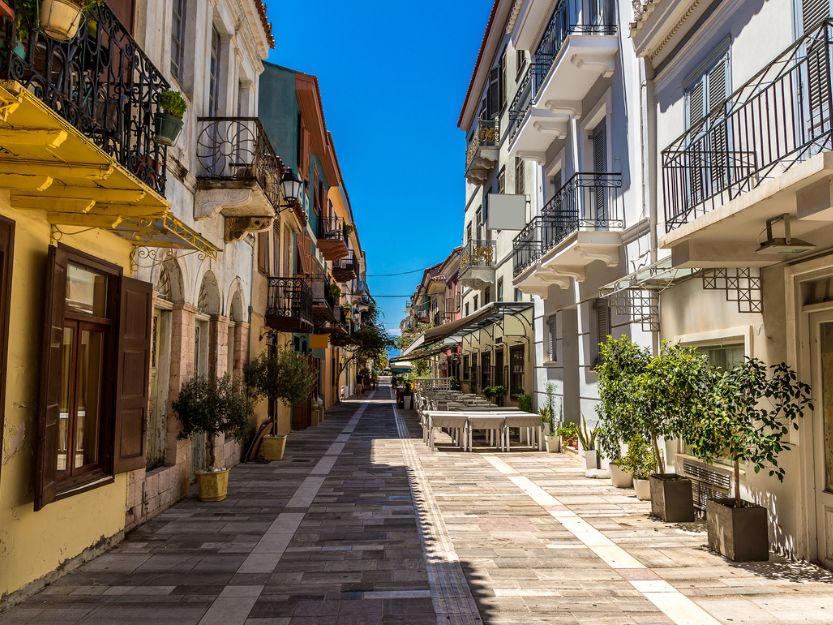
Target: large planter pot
x=591, y=459
x=643, y=489
x=740, y=534
x=213, y=485
x=554, y=444
x=167, y=128
x=272, y=447
x=671, y=498
x=60, y=19
x=619, y=477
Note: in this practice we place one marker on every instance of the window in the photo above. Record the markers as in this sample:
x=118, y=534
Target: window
x=178, y=39
x=91, y=422
x=476, y=302
x=601, y=329
x=497, y=376
x=478, y=218
x=485, y=369
x=502, y=81
x=516, y=370
x=499, y=290
x=552, y=344
x=466, y=314
x=520, y=173
x=214, y=78
x=487, y=295
x=276, y=248
x=501, y=180
x=263, y=253
x=520, y=64
x=724, y=356
x=518, y=295
x=465, y=367
x=6, y=255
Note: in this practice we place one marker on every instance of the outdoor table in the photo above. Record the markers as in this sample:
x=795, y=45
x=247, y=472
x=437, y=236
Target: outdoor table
x=527, y=420
x=453, y=421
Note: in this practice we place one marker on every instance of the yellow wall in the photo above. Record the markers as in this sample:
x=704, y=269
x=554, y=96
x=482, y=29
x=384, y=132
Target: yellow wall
x=39, y=542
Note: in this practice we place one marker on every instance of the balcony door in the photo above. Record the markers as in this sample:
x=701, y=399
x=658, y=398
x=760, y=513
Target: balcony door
x=821, y=342
x=598, y=195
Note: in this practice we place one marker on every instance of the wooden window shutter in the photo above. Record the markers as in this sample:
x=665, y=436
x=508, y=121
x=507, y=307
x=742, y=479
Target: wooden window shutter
x=6, y=261
x=46, y=449
x=276, y=248
x=133, y=360
x=493, y=97
x=263, y=252
x=123, y=10
x=602, y=326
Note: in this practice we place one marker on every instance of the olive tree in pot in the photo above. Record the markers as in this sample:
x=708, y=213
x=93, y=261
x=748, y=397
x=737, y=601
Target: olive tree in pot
x=675, y=388
x=212, y=407
x=277, y=375
x=551, y=421
x=751, y=416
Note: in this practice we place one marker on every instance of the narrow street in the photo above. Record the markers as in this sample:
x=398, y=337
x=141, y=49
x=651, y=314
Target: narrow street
x=362, y=524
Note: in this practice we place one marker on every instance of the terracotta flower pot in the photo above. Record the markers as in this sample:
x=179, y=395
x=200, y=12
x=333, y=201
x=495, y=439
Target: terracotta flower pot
x=739, y=534
x=671, y=498
x=619, y=477
x=60, y=19
x=643, y=489
x=213, y=485
x=273, y=447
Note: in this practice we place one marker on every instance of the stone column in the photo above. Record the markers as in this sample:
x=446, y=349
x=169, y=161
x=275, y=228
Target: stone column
x=182, y=367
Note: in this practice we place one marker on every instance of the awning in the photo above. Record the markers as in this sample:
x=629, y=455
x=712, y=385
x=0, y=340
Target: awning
x=657, y=276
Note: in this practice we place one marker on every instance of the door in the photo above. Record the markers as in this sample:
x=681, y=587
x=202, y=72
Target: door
x=821, y=329
x=598, y=200
x=159, y=380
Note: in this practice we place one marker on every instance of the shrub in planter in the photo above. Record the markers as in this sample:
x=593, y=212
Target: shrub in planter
x=495, y=393
x=568, y=433
x=213, y=407
x=168, y=121
x=587, y=440
x=639, y=461
x=278, y=375
x=525, y=403
x=551, y=422
x=751, y=416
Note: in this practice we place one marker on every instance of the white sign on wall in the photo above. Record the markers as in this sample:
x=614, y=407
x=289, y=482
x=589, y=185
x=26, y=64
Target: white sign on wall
x=506, y=212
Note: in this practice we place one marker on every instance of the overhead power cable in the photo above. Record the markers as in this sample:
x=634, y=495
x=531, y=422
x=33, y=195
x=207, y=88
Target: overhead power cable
x=390, y=275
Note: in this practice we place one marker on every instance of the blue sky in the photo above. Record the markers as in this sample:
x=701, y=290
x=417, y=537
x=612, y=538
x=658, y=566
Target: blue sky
x=393, y=76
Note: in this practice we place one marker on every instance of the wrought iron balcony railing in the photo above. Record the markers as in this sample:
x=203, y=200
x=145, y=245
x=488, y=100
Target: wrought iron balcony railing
x=478, y=254
x=589, y=201
x=486, y=134
x=289, y=303
x=589, y=17
x=238, y=149
x=778, y=118
x=332, y=229
x=346, y=268
x=324, y=293
x=422, y=311
x=101, y=82
x=441, y=318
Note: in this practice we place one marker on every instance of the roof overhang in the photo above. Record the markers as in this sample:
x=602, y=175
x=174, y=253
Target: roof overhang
x=657, y=276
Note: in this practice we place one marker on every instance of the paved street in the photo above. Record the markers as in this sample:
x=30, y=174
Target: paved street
x=361, y=524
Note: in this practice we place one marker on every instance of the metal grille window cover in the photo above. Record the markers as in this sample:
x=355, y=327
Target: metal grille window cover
x=101, y=82
x=589, y=201
x=237, y=148
x=780, y=117
x=332, y=228
x=639, y=306
x=741, y=284
x=486, y=134
x=478, y=253
x=706, y=483
x=290, y=298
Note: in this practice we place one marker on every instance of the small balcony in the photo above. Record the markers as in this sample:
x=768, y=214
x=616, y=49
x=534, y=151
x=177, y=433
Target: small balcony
x=289, y=305
x=441, y=318
x=422, y=311
x=239, y=173
x=579, y=225
x=346, y=268
x=324, y=299
x=483, y=150
x=332, y=237
x=477, y=264
x=579, y=47
x=762, y=158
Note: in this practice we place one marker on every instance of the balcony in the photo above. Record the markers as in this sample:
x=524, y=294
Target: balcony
x=324, y=299
x=579, y=225
x=477, y=264
x=483, y=150
x=766, y=152
x=579, y=47
x=239, y=174
x=332, y=237
x=441, y=318
x=422, y=311
x=346, y=268
x=289, y=305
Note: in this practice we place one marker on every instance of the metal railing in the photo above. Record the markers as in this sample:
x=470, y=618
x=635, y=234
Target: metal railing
x=588, y=201
x=441, y=318
x=778, y=118
x=323, y=292
x=332, y=228
x=237, y=148
x=422, y=311
x=101, y=82
x=478, y=254
x=486, y=134
x=346, y=266
x=289, y=298
x=588, y=17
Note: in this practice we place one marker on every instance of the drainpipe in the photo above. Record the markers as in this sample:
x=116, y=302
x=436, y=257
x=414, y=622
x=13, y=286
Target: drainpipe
x=647, y=127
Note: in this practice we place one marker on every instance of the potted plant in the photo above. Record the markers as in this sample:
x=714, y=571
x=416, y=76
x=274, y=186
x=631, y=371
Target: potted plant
x=568, y=432
x=525, y=403
x=213, y=407
x=168, y=122
x=335, y=291
x=587, y=440
x=639, y=461
x=278, y=375
x=751, y=417
x=495, y=393
x=348, y=229
x=551, y=423
x=60, y=19
x=610, y=445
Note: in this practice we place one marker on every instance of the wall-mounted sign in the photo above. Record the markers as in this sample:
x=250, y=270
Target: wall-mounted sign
x=506, y=212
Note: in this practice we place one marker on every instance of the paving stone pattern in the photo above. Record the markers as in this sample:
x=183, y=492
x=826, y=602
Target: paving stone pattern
x=362, y=524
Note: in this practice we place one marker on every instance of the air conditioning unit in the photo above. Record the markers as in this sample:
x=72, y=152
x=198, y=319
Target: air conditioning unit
x=707, y=482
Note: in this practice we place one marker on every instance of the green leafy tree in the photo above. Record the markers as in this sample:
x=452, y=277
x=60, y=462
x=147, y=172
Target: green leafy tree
x=213, y=406
x=421, y=366
x=750, y=417
x=280, y=375
x=640, y=459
